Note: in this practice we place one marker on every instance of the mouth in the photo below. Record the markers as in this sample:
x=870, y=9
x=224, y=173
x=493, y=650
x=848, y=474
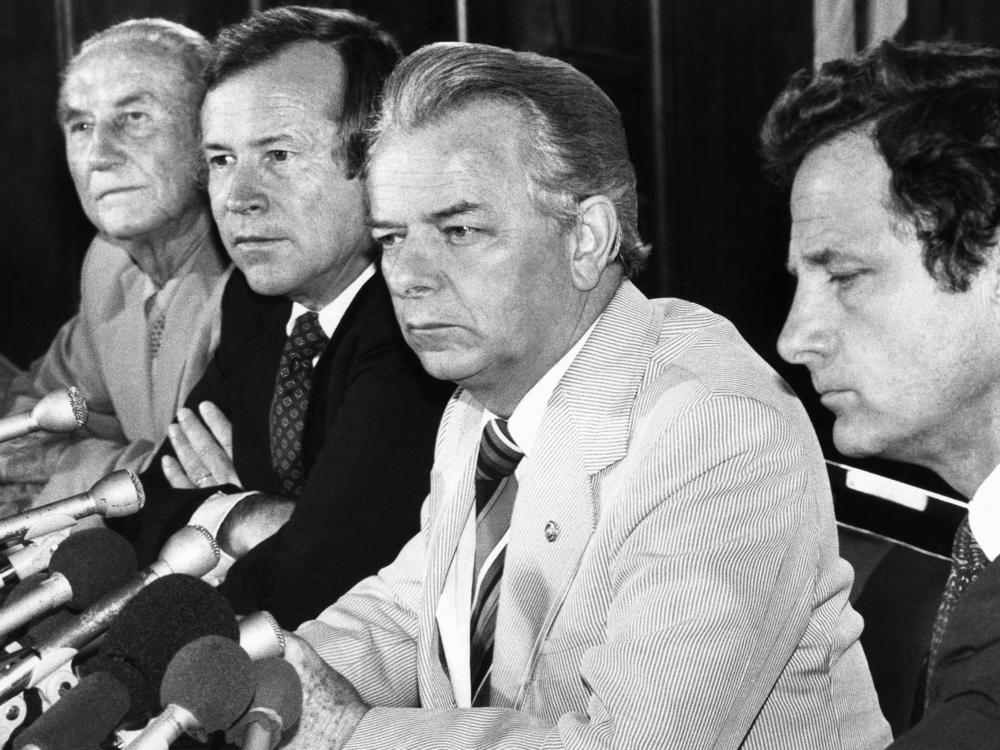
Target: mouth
x=831, y=396
x=254, y=241
x=116, y=191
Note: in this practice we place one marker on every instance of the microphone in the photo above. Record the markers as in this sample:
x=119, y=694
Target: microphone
x=82, y=718
x=143, y=701
x=163, y=618
x=276, y=705
x=261, y=635
x=190, y=550
x=33, y=557
x=207, y=687
x=85, y=567
x=59, y=411
x=118, y=494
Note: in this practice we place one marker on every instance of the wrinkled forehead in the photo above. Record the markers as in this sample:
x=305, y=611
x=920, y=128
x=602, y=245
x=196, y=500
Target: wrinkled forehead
x=116, y=68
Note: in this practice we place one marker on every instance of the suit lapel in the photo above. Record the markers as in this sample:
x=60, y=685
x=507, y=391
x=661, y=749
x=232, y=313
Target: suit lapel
x=585, y=430
x=451, y=499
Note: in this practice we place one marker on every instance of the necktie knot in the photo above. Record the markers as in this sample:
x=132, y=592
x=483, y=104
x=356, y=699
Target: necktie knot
x=498, y=458
x=307, y=338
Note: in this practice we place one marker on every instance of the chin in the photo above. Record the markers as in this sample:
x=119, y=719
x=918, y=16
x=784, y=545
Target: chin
x=857, y=441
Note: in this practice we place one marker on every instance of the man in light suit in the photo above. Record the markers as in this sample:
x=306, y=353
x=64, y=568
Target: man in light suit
x=894, y=162
x=670, y=575
x=152, y=278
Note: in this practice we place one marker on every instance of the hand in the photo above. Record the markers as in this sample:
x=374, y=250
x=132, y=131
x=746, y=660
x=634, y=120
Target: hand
x=252, y=520
x=331, y=707
x=204, y=449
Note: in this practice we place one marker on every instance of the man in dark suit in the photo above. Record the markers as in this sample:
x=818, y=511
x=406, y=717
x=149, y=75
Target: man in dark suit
x=313, y=403
x=894, y=160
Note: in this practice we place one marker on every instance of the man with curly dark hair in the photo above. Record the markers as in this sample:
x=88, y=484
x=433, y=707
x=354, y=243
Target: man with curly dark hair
x=894, y=162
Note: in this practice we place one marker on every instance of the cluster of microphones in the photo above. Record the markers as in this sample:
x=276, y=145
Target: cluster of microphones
x=98, y=654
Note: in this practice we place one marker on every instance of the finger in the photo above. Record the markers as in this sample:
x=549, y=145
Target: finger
x=203, y=443
x=187, y=456
x=219, y=424
x=174, y=473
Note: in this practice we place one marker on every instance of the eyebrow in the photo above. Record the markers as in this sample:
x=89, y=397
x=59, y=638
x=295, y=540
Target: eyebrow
x=67, y=113
x=262, y=142
x=457, y=209
x=821, y=259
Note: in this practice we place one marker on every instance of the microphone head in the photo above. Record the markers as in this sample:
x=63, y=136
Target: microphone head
x=94, y=561
x=279, y=689
x=120, y=493
x=261, y=635
x=277, y=701
x=167, y=614
x=143, y=699
x=212, y=678
x=82, y=717
x=192, y=550
x=61, y=411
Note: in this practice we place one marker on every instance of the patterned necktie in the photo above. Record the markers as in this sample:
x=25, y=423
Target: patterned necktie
x=498, y=457
x=291, y=399
x=967, y=560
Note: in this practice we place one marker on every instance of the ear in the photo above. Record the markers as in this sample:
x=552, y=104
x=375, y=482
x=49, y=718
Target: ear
x=594, y=243
x=991, y=274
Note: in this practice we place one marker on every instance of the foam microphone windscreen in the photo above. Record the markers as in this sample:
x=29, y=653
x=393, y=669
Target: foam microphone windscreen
x=166, y=615
x=94, y=561
x=212, y=679
x=276, y=705
x=82, y=718
x=143, y=700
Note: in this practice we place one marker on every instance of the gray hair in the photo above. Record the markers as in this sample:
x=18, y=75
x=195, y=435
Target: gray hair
x=170, y=39
x=574, y=146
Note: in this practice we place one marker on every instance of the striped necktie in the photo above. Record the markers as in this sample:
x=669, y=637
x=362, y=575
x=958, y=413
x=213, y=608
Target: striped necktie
x=498, y=457
x=967, y=561
x=291, y=400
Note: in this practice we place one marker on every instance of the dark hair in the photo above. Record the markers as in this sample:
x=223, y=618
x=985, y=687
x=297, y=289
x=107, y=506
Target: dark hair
x=576, y=146
x=368, y=53
x=933, y=112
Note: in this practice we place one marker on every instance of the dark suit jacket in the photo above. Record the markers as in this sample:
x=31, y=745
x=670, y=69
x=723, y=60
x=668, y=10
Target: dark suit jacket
x=367, y=450
x=964, y=712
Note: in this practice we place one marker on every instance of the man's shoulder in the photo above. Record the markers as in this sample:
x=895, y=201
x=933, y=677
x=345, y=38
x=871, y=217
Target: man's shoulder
x=654, y=361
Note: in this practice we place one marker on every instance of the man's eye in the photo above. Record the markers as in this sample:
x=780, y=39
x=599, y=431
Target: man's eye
x=387, y=241
x=133, y=117
x=278, y=155
x=844, y=279
x=78, y=127
x=460, y=233
x=217, y=161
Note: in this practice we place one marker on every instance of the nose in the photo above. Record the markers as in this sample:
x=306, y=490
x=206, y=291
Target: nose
x=245, y=194
x=105, y=147
x=809, y=335
x=412, y=270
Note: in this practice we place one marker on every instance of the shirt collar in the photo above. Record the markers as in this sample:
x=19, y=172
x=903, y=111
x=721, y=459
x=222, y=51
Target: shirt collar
x=527, y=416
x=984, y=515
x=331, y=315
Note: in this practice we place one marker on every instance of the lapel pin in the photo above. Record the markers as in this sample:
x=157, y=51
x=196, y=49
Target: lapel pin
x=551, y=531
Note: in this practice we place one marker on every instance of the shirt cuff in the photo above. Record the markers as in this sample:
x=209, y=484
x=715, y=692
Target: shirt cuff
x=211, y=514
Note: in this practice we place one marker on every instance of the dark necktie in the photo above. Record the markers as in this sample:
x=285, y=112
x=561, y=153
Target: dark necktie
x=291, y=399
x=498, y=457
x=967, y=560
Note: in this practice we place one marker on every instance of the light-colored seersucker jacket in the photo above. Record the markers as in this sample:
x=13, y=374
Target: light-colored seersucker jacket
x=693, y=597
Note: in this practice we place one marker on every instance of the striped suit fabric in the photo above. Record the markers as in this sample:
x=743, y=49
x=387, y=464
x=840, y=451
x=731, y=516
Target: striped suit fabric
x=693, y=596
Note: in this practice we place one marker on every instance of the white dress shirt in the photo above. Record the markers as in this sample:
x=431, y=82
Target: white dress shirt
x=213, y=511
x=454, y=610
x=984, y=515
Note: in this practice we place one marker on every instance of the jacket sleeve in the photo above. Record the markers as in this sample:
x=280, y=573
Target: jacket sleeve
x=362, y=496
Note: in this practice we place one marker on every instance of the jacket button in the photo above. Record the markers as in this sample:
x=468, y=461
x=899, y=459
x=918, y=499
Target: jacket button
x=551, y=531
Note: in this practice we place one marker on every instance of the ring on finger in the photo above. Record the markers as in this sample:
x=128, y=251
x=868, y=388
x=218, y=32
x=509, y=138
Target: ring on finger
x=203, y=481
